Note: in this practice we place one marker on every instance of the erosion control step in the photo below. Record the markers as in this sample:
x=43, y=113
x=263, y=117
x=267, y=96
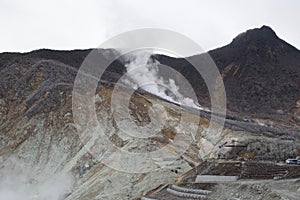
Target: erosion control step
x=188, y=192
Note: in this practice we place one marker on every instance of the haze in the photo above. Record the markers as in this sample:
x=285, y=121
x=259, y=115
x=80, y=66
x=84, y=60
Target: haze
x=71, y=24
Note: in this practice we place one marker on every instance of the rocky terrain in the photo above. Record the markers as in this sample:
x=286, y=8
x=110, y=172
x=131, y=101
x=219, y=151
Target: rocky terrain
x=260, y=73
x=42, y=155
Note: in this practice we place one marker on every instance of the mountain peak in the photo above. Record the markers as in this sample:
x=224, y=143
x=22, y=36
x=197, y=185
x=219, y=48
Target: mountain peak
x=263, y=35
x=266, y=29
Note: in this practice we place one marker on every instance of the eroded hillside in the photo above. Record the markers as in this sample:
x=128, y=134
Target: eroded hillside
x=39, y=135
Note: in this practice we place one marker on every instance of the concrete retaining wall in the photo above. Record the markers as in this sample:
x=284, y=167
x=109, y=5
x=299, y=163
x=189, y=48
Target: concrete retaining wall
x=215, y=179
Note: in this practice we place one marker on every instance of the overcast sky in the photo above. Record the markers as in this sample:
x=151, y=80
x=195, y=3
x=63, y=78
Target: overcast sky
x=77, y=24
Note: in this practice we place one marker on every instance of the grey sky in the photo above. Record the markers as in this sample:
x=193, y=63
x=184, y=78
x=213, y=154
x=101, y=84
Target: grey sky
x=73, y=24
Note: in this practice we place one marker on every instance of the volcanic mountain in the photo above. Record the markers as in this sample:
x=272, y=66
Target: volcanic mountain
x=261, y=74
x=45, y=155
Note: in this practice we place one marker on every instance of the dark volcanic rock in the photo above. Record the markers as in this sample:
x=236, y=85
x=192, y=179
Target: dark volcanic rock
x=261, y=73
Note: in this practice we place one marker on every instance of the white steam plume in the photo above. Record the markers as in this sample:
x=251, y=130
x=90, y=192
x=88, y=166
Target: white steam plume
x=143, y=72
x=19, y=182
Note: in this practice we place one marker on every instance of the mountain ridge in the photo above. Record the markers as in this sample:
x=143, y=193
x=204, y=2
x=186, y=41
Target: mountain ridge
x=261, y=72
x=43, y=130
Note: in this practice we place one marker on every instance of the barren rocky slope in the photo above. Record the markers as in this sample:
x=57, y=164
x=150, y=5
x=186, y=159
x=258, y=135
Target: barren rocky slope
x=261, y=74
x=40, y=140
x=37, y=127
